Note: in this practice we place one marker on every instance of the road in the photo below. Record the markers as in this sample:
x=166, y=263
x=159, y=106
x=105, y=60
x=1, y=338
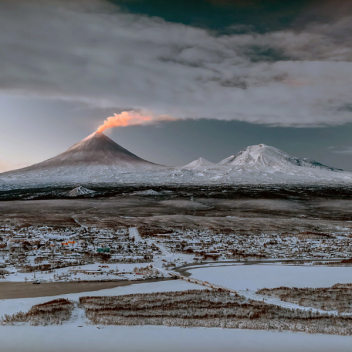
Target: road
x=11, y=290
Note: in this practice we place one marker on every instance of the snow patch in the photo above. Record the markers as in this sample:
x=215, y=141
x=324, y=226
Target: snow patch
x=79, y=191
x=198, y=164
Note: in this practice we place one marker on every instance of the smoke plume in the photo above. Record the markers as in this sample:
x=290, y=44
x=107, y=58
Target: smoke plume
x=125, y=118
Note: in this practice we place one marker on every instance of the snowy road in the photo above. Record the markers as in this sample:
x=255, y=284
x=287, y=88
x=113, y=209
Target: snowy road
x=133, y=232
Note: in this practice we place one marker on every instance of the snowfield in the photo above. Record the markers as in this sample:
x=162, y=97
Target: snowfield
x=77, y=336
x=254, y=277
x=160, y=339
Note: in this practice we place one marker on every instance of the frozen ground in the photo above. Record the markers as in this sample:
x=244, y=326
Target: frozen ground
x=254, y=277
x=238, y=277
x=78, y=336
x=10, y=306
x=247, y=214
x=68, y=273
x=160, y=339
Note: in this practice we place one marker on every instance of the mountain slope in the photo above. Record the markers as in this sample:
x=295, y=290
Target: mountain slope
x=259, y=156
x=96, y=148
x=95, y=158
x=198, y=164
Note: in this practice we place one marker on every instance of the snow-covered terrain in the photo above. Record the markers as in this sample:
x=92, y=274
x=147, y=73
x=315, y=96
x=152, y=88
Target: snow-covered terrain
x=10, y=306
x=258, y=156
x=254, y=277
x=88, y=272
x=79, y=191
x=199, y=164
x=262, y=164
x=97, y=160
x=69, y=337
x=148, y=192
x=77, y=334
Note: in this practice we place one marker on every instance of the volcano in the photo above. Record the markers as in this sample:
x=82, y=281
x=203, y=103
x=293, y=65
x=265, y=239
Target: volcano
x=95, y=158
x=98, y=160
x=95, y=149
x=264, y=156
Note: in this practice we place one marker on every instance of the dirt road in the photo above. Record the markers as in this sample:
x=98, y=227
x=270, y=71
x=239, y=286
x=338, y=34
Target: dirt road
x=11, y=290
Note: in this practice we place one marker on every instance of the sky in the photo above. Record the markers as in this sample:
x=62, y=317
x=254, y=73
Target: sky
x=214, y=76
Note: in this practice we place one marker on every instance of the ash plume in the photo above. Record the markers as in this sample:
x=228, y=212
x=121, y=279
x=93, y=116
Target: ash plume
x=129, y=118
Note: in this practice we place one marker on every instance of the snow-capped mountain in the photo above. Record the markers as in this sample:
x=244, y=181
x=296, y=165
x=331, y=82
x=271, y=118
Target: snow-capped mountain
x=97, y=160
x=199, y=164
x=96, y=149
x=259, y=156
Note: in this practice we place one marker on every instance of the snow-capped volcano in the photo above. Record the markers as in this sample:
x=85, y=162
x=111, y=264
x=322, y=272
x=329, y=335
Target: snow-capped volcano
x=95, y=149
x=97, y=158
x=261, y=155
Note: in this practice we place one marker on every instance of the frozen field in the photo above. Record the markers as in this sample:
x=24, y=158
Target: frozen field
x=10, y=306
x=160, y=339
x=253, y=277
x=80, y=336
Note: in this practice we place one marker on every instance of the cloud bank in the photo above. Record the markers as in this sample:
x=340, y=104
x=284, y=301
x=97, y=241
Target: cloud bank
x=89, y=51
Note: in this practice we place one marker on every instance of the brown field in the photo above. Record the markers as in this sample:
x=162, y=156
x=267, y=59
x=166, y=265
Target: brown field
x=211, y=309
x=48, y=313
x=337, y=297
x=12, y=290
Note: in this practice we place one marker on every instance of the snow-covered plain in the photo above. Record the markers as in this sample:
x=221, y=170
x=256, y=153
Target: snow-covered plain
x=78, y=336
x=254, y=277
x=160, y=339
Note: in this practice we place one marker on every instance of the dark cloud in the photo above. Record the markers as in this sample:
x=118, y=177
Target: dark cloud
x=91, y=52
x=240, y=15
x=257, y=53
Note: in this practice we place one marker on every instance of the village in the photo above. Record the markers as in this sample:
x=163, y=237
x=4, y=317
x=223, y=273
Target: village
x=205, y=245
x=73, y=254
x=95, y=254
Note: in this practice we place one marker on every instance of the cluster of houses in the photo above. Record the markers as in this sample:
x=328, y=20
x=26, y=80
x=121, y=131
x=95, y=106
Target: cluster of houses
x=33, y=249
x=205, y=245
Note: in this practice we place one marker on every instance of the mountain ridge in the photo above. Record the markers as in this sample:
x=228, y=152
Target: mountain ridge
x=263, y=155
x=98, y=160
